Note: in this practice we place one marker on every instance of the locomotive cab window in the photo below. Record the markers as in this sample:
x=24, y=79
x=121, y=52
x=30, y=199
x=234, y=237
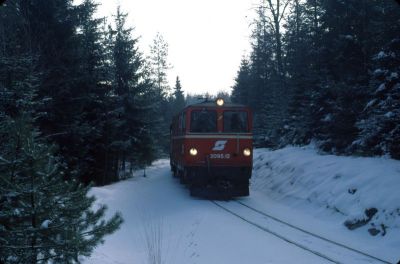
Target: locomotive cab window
x=235, y=121
x=203, y=121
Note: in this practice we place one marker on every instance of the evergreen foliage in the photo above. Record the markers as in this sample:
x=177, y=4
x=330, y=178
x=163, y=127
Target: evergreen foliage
x=42, y=217
x=164, y=107
x=75, y=93
x=93, y=96
x=18, y=86
x=312, y=80
x=178, y=99
x=131, y=140
x=240, y=92
x=159, y=64
x=380, y=128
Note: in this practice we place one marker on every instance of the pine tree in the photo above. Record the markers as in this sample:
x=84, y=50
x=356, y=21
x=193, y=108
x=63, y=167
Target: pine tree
x=334, y=116
x=43, y=217
x=131, y=139
x=324, y=55
x=264, y=94
x=159, y=66
x=86, y=150
x=49, y=34
x=91, y=100
x=241, y=89
x=380, y=127
x=125, y=66
x=346, y=42
x=179, y=99
x=19, y=83
x=297, y=42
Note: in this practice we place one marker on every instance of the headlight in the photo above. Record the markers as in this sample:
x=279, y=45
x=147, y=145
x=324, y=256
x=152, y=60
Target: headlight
x=193, y=151
x=220, y=102
x=247, y=152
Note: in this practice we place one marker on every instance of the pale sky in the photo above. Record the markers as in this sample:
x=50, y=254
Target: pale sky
x=206, y=38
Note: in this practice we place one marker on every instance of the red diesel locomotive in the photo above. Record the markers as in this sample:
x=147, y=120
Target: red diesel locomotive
x=211, y=148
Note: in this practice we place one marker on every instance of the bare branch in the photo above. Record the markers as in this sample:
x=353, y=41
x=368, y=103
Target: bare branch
x=284, y=9
x=271, y=24
x=272, y=9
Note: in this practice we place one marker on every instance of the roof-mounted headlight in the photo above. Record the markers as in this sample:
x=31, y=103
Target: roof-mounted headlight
x=220, y=102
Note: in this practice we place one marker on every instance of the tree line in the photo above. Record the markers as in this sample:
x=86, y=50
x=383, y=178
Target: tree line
x=80, y=104
x=325, y=72
x=86, y=85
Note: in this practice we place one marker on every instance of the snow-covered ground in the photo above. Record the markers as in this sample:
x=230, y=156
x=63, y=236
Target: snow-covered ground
x=333, y=191
x=319, y=193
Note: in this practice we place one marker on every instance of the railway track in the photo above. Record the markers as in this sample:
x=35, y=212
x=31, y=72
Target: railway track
x=324, y=248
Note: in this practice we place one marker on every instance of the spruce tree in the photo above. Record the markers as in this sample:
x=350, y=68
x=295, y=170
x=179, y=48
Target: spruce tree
x=297, y=42
x=179, y=99
x=345, y=44
x=49, y=33
x=132, y=141
x=92, y=123
x=325, y=57
x=264, y=93
x=241, y=89
x=43, y=217
x=380, y=127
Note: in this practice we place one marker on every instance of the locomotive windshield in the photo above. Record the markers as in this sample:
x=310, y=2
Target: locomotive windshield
x=235, y=121
x=203, y=121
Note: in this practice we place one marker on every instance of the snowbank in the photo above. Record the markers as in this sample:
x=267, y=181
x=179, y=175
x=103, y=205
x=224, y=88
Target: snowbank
x=318, y=193
x=365, y=191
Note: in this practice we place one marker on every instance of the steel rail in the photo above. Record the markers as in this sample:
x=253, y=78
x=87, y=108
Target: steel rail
x=313, y=234
x=277, y=235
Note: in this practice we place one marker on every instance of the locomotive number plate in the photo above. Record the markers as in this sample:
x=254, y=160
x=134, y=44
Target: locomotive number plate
x=220, y=156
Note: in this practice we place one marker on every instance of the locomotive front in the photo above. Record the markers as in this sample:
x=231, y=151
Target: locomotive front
x=211, y=148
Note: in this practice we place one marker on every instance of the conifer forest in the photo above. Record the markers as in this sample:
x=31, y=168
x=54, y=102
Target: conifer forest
x=82, y=106
x=327, y=72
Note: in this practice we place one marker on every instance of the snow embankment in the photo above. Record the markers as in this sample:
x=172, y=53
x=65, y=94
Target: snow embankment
x=364, y=191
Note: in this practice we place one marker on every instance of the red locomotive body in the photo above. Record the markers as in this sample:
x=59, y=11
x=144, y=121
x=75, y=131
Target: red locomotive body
x=211, y=148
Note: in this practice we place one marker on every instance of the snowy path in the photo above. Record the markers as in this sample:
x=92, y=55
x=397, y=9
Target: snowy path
x=163, y=222
x=181, y=229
